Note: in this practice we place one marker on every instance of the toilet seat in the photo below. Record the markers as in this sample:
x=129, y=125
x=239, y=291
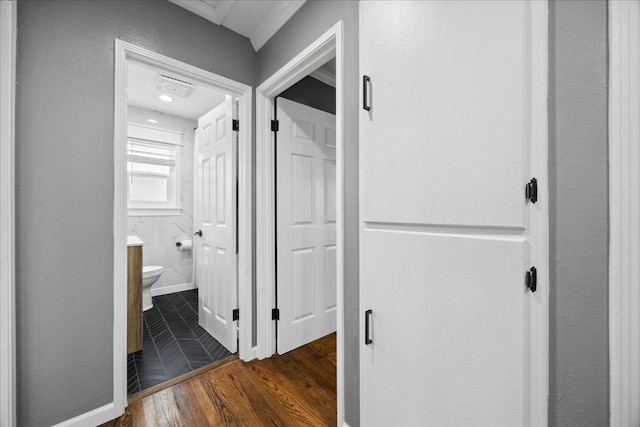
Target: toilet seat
x=151, y=270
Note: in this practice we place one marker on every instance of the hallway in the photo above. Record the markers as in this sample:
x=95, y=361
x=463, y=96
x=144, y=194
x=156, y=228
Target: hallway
x=297, y=388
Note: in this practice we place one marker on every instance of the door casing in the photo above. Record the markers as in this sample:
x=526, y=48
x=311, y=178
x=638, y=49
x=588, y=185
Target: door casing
x=624, y=213
x=327, y=46
x=8, y=397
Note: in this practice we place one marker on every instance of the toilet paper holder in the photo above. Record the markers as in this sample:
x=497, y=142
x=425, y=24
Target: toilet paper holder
x=184, y=245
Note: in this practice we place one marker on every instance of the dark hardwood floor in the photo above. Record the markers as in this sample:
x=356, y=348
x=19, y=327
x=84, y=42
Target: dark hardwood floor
x=295, y=389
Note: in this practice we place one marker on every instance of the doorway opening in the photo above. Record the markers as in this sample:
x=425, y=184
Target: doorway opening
x=299, y=213
x=305, y=193
x=182, y=211
x=182, y=174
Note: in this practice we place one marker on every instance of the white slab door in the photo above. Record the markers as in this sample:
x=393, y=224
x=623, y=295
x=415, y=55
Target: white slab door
x=449, y=138
x=215, y=222
x=306, y=224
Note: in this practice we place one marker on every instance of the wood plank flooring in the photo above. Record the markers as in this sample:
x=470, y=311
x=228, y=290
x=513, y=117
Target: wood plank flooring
x=295, y=389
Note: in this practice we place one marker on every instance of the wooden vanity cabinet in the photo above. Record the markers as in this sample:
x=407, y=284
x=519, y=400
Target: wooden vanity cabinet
x=134, y=299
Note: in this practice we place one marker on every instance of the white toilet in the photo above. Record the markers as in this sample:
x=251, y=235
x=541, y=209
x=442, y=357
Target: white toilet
x=150, y=275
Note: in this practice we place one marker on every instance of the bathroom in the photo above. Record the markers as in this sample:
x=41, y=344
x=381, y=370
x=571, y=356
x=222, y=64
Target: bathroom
x=163, y=113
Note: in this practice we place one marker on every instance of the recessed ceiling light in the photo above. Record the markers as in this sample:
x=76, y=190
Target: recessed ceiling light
x=165, y=98
x=152, y=120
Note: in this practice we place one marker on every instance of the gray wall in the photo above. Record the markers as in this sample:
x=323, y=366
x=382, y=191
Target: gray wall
x=313, y=93
x=309, y=23
x=64, y=175
x=578, y=214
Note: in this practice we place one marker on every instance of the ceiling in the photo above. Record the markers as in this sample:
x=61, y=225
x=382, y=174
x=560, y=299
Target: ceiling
x=258, y=20
x=142, y=92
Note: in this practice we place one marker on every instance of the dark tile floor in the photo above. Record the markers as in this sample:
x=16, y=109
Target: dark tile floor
x=174, y=343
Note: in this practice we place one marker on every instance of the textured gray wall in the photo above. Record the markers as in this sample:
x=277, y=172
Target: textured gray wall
x=579, y=386
x=309, y=23
x=313, y=93
x=64, y=175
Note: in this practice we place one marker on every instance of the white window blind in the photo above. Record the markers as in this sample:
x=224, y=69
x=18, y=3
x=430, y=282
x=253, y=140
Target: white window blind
x=153, y=178
x=151, y=153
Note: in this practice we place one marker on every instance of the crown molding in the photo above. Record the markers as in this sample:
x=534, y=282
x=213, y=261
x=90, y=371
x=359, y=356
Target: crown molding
x=212, y=10
x=324, y=76
x=276, y=19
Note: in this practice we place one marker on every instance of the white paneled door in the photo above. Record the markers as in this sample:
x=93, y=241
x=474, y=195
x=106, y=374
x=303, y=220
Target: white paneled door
x=215, y=223
x=306, y=224
x=448, y=126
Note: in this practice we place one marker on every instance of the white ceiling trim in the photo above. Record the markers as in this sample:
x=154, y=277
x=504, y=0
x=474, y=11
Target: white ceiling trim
x=324, y=76
x=211, y=10
x=272, y=23
x=222, y=8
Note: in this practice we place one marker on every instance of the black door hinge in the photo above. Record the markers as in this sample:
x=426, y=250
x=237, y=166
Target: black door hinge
x=236, y=125
x=275, y=314
x=275, y=125
x=531, y=190
x=531, y=279
x=236, y=314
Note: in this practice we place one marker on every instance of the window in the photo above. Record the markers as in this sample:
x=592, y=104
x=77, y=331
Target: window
x=153, y=176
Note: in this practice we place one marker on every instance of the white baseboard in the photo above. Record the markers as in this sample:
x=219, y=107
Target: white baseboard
x=92, y=418
x=345, y=424
x=252, y=354
x=172, y=289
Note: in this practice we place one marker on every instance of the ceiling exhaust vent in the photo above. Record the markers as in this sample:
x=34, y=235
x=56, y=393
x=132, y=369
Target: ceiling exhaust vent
x=173, y=86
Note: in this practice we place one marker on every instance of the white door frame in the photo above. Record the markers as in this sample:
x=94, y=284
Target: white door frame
x=8, y=21
x=624, y=205
x=327, y=46
x=123, y=52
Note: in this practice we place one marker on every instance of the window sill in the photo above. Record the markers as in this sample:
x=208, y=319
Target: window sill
x=154, y=211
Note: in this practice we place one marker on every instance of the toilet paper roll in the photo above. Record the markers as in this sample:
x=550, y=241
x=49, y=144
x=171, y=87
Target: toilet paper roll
x=186, y=245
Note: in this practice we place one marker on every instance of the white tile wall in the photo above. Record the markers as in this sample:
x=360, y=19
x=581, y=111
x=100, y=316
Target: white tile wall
x=160, y=233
